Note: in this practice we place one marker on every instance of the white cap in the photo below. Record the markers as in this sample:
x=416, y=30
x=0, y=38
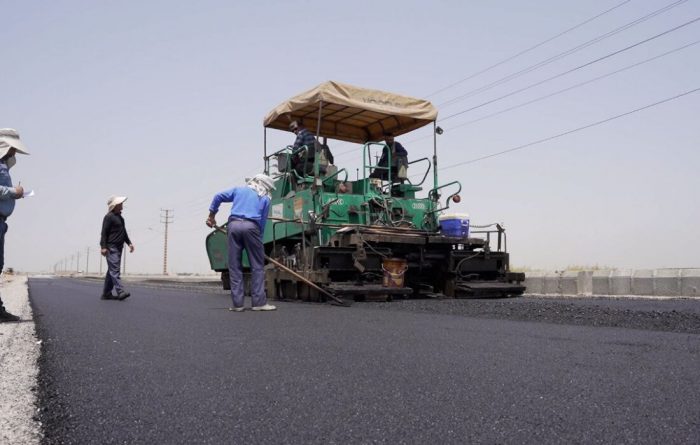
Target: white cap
x=9, y=138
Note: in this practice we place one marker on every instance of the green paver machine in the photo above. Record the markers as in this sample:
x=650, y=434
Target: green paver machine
x=369, y=238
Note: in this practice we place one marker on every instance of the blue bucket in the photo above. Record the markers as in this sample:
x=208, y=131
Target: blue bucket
x=455, y=225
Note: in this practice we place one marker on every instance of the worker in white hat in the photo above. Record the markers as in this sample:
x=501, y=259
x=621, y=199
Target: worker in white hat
x=245, y=228
x=9, y=146
x=112, y=241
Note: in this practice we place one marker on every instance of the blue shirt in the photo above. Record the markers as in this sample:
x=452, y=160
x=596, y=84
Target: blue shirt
x=246, y=204
x=7, y=191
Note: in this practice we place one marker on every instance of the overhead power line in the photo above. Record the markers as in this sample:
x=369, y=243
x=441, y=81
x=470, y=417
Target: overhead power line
x=546, y=96
x=515, y=56
x=562, y=54
x=578, y=85
x=607, y=56
x=594, y=124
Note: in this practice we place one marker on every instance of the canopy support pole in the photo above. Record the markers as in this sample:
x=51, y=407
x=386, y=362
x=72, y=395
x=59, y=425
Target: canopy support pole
x=435, y=167
x=317, y=146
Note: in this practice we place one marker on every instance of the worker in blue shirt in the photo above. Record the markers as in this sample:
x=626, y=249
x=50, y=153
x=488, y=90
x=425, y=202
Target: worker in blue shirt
x=9, y=146
x=245, y=229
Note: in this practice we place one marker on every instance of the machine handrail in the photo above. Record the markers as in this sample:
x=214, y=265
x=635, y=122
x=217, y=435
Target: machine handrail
x=433, y=195
x=335, y=175
x=425, y=176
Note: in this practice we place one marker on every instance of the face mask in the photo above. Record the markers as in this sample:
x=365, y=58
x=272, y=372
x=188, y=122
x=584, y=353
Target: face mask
x=10, y=162
x=260, y=189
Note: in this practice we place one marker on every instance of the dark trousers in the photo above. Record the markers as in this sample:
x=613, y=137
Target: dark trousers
x=245, y=234
x=3, y=231
x=113, y=277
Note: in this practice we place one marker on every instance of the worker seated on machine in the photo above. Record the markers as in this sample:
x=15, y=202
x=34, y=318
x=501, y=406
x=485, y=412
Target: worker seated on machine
x=304, y=152
x=303, y=149
x=399, y=161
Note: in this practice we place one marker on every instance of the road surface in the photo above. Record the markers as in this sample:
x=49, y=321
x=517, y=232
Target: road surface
x=173, y=365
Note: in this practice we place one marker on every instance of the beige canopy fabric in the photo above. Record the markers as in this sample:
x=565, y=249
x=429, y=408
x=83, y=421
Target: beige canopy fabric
x=351, y=113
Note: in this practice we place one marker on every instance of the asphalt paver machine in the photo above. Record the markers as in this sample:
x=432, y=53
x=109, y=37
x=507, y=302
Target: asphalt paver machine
x=374, y=237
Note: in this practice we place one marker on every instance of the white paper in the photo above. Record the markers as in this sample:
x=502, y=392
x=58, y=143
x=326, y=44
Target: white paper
x=28, y=193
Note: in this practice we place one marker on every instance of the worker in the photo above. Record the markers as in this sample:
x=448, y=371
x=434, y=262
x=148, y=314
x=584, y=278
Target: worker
x=245, y=229
x=9, y=146
x=112, y=241
x=303, y=149
x=399, y=158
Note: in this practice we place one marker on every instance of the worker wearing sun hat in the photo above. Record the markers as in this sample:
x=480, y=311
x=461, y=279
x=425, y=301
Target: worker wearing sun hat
x=112, y=241
x=245, y=228
x=10, y=144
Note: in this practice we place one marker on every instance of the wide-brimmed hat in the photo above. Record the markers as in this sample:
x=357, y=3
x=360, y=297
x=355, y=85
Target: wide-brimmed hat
x=114, y=201
x=9, y=138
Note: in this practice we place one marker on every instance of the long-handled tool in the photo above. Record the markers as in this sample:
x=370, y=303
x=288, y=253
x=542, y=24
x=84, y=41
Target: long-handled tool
x=340, y=301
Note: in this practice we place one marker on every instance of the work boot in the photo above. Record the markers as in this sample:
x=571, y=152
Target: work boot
x=267, y=307
x=6, y=316
x=123, y=295
x=107, y=296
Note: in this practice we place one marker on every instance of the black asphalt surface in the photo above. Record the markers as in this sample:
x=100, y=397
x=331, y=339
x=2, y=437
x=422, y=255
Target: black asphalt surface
x=173, y=366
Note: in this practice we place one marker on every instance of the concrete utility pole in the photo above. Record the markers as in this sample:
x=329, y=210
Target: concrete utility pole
x=166, y=219
x=77, y=263
x=87, y=261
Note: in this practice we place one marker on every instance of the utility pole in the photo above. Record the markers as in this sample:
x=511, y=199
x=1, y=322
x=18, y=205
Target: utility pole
x=77, y=263
x=166, y=219
x=87, y=261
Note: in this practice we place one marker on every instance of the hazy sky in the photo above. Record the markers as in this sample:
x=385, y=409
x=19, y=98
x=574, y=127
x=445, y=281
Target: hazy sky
x=163, y=101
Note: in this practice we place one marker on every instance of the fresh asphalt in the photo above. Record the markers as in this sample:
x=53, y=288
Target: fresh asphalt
x=173, y=365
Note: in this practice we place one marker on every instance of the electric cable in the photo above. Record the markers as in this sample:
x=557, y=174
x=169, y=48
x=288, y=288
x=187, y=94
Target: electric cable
x=547, y=96
x=563, y=54
x=594, y=124
x=607, y=56
x=508, y=59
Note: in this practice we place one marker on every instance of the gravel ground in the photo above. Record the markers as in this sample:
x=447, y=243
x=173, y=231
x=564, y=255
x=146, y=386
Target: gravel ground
x=673, y=315
x=19, y=353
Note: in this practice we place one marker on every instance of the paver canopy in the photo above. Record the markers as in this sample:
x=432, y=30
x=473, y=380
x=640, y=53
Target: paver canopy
x=351, y=113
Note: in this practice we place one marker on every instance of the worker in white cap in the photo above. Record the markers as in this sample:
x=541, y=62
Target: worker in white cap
x=112, y=241
x=9, y=146
x=245, y=228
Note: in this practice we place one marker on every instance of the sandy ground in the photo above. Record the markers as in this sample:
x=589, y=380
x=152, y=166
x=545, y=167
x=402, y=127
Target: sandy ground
x=19, y=352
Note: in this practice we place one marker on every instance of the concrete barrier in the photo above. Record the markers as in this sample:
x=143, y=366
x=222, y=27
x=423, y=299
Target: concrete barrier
x=621, y=282
x=668, y=282
x=568, y=283
x=615, y=282
x=690, y=282
x=601, y=282
x=642, y=282
x=551, y=283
